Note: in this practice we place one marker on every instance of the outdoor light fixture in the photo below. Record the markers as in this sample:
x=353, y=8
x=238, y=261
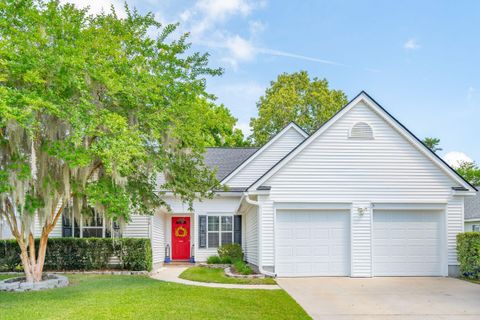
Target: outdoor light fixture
x=167, y=254
x=361, y=211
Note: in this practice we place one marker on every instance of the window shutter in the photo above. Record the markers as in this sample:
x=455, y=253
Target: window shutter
x=237, y=229
x=202, y=231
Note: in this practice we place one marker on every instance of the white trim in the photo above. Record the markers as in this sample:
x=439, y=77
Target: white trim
x=312, y=206
x=471, y=220
x=262, y=149
x=363, y=97
x=409, y=206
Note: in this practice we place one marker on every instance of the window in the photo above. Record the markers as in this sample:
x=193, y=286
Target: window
x=476, y=227
x=361, y=130
x=92, y=225
x=219, y=231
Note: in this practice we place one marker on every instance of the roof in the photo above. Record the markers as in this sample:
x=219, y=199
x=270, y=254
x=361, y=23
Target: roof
x=389, y=118
x=226, y=160
x=291, y=125
x=472, y=207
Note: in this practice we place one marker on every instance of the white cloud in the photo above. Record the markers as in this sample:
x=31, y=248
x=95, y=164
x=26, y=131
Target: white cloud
x=456, y=158
x=97, y=6
x=411, y=44
x=256, y=27
x=240, y=49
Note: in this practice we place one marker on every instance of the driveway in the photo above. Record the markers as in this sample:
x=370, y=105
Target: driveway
x=385, y=298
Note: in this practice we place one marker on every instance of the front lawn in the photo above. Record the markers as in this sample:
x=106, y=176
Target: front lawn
x=218, y=276
x=139, y=297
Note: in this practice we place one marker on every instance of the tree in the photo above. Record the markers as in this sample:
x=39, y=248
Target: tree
x=295, y=97
x=91, y=110
x=470, y=172
x=432, y=144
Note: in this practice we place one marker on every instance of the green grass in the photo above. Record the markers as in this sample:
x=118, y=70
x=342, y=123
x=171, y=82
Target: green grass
x=139, y=297
x=203, y=274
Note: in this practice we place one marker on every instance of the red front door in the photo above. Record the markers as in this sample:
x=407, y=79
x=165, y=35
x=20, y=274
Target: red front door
x=180, y=238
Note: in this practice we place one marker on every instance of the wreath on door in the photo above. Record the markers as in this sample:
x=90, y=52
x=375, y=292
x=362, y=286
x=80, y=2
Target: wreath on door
x=181, y=232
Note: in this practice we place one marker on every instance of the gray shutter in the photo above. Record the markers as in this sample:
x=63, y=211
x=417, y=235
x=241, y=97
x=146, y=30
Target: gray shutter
x=202, y=231
x=237, y=229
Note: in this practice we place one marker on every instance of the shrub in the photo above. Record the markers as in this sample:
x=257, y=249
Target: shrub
x=232, y=250
x=468, y=248
x=226, y=260
x=65, y=254
x=242, y=268
x=214, y=260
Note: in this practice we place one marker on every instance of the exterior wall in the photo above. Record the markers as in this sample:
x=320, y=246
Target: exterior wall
x=266, y=159
x=361, y=240
x=336, y=169
x=267, y=232
x=138, y=227
x=469, y=225
x=216, y=206
x=56, y=232
x=5, y=232
x=158, y=239
x=455, y=226
x=251, y=236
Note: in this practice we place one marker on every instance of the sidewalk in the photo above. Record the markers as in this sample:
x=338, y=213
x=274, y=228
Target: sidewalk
x=171, y=273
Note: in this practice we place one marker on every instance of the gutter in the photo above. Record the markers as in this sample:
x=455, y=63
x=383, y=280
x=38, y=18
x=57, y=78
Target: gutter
x=260, y=268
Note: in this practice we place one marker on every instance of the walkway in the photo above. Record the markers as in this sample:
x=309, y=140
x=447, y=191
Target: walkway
x=171, y=273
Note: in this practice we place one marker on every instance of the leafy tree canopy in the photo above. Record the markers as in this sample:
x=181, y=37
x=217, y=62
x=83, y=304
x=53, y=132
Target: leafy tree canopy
x=91, y=110
x=295, y=97
x=471, y=172
x=432, y=143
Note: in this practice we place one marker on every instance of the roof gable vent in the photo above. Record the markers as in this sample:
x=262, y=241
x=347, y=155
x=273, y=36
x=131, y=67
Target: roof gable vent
x=361, y=130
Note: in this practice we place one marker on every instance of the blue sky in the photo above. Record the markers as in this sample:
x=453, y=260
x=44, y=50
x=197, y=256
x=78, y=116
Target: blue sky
x=419, y=59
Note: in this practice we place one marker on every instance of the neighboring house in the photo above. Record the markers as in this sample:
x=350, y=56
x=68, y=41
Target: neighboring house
x=360, y=197
x=472, y=213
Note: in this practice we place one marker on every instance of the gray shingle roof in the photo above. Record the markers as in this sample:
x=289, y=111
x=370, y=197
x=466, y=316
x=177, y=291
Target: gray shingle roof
x=226, y=160
x=472, y=207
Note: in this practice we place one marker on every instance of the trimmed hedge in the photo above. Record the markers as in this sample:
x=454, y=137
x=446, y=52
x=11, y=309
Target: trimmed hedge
x=468, y=249
x=64, y=254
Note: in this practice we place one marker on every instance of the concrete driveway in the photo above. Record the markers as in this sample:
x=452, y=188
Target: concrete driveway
x=385, y=298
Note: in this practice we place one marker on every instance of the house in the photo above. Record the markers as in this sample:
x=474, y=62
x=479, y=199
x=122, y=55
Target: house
x=472, y=213
x=360, y=197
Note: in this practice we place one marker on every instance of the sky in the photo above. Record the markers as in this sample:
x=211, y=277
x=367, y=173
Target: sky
x=419, y=59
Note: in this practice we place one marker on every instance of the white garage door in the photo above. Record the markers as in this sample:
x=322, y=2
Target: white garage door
x=407, y=243
x=312, y=243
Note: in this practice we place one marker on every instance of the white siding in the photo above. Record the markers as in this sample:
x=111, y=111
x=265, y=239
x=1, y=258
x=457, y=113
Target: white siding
x=336, y=168
x=218, y=205
x=158, y=238
x=266, y=159
x=361, y=249
x=267, y=231
x=454, y=227
x=138, y=227
x=386, y=169
x=469, y=225
x=55, y=233
x=251, y=236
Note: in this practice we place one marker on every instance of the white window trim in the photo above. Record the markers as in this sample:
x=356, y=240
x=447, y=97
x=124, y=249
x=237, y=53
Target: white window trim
x=219, y=232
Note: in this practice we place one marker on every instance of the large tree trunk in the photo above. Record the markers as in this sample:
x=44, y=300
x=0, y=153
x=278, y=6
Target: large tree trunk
x=32, y=259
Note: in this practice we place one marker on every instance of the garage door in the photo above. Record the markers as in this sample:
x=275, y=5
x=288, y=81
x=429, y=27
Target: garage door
x=407, y=243
x=312, y=243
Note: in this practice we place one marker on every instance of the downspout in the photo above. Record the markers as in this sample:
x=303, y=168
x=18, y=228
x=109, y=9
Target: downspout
x=260, y=268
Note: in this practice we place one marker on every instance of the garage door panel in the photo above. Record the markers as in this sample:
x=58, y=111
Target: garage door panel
x=320, y=245
x=407, y=243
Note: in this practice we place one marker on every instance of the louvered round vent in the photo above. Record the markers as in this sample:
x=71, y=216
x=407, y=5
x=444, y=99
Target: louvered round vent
x=361, y=130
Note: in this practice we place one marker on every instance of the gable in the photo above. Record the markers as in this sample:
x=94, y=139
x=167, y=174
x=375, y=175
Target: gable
x=332, y=166
x=266, y=157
